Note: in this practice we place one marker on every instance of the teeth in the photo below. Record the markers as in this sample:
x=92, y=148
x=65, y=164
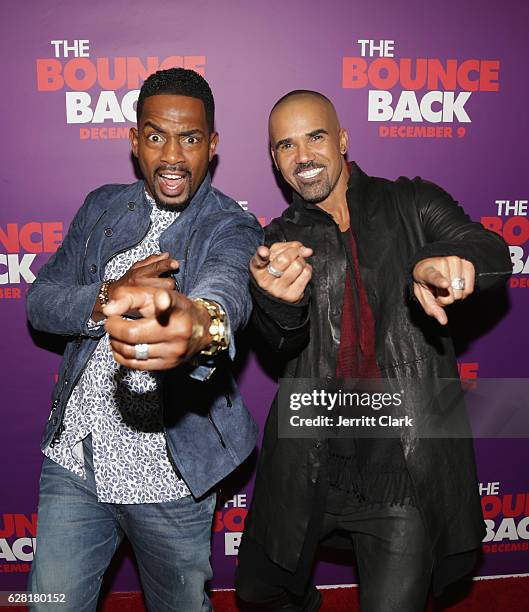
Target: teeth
x=172, y=176
x=310, y=173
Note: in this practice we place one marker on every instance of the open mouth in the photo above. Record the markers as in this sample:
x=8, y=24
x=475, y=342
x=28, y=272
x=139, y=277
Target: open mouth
x=172, y=183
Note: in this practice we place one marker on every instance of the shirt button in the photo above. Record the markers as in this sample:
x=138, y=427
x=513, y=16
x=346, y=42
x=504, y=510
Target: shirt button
x=93, y=268
x=108, y=232
x=131, y=205
x=55, y=420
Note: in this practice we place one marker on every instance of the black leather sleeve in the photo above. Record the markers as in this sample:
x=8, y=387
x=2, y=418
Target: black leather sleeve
x=285, y=326
x=450, y=231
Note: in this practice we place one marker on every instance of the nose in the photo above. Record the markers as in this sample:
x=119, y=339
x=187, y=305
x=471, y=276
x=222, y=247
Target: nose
x=304, y=154
x=172, y=152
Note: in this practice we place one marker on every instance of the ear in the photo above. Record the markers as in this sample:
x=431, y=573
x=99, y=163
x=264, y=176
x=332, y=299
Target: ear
x=133, y=137
x=273, y=154
x=213, y=142
x=343, y=139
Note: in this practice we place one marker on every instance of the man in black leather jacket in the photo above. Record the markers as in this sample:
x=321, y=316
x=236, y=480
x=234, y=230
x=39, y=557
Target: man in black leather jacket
x=370, y=263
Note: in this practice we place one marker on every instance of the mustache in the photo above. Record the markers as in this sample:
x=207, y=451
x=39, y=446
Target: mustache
x=173, y=169
x=307, y=166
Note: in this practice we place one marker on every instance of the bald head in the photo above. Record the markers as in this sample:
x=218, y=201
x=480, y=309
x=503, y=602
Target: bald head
x=305, y=95
x=308, y=144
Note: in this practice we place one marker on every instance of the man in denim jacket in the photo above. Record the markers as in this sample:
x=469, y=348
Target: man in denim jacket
x=149, y=285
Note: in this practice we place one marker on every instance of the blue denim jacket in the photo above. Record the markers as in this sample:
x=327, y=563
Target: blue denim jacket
x=209, y=431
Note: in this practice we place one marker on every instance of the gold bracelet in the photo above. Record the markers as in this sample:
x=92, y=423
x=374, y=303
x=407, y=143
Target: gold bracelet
x=217, y=327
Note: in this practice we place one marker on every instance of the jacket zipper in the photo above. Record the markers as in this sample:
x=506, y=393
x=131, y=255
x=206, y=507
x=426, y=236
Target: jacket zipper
x=89, y=237
x=186, y=253
x=221, y=439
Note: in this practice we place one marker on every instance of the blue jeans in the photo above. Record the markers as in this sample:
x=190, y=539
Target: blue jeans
x=77, y=537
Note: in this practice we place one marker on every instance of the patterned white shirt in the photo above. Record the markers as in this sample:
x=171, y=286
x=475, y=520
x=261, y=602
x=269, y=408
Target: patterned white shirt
x=122, y=410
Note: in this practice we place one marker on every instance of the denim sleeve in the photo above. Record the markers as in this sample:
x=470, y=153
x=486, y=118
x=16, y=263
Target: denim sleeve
x=57, y=302
x=224, y=277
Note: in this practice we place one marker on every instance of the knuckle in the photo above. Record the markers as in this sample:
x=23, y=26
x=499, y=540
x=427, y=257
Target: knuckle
x=187, y=330
x=131, y=335
x=296, y=266
x=262, y=280
x=167, y=283
x=183, y=328
x=428, y=310
x=282, y=259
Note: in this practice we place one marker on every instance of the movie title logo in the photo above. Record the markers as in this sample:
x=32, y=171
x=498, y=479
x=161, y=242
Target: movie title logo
x=17, y=542
x=230, y=520
x=506, y=519
x=430, y=91
x=102, y=90
x=511, y=222
x=20, y=244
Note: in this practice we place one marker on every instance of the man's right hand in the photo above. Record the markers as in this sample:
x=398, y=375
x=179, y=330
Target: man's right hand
x=145, y=273
x=287, y=258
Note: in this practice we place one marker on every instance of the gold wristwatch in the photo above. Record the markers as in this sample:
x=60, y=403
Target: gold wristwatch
x=217, y=327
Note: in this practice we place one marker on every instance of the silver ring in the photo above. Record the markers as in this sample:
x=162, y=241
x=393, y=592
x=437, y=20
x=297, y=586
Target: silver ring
x=142, y=351
x=458, y=283
x=273, y=271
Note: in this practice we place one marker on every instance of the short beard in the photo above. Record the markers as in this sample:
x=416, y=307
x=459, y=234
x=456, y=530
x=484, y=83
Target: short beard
x=166, y=206
x=174, y=207
x=315, y=196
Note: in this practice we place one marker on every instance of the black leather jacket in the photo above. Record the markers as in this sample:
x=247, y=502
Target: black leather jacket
x=395, y=224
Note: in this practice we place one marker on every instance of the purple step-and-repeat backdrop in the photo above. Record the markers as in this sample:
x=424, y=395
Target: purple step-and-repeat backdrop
x=437, y=93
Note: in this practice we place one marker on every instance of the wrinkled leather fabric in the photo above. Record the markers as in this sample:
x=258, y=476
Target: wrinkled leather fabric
x=395, y=225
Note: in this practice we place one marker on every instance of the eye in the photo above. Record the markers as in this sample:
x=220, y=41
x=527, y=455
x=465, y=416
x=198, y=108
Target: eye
x=285, y=146
x=191, y=140
x=154, y=138
x=316, y=137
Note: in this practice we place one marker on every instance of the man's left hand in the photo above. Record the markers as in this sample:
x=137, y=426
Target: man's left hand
x=174, y=327
x=436, y=280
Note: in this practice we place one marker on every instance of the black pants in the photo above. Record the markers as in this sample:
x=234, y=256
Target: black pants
x=393, y=558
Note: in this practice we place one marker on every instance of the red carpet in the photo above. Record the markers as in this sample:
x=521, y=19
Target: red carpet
x=499, y=595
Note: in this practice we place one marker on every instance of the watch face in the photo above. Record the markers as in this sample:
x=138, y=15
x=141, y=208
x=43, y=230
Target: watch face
x=214, y=329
